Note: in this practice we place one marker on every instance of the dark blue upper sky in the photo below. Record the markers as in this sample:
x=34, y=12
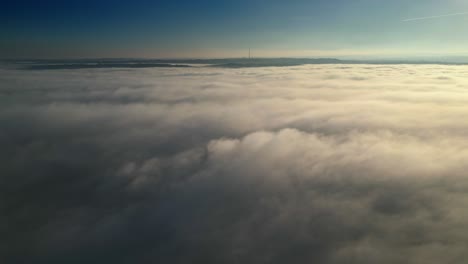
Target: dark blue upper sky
x=208, y=28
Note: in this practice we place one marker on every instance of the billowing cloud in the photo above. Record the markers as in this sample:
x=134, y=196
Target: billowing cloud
x=316, y=163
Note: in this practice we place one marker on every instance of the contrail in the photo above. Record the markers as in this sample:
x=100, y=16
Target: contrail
x=432, y=17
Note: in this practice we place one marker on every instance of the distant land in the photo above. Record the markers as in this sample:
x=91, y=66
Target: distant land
x=221, y=63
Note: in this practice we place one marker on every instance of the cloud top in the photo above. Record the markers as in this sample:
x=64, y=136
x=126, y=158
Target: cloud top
x=317, y=163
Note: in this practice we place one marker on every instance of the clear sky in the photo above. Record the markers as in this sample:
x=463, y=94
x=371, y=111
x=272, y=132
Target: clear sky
x=217, y=28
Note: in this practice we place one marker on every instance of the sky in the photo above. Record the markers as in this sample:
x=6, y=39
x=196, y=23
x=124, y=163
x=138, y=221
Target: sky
x=208, y=28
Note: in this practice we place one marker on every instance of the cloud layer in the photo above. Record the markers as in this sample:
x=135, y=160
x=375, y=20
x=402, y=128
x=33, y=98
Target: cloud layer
x=318, y=163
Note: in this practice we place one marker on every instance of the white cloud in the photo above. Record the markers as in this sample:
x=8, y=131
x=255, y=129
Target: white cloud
x=325, y=163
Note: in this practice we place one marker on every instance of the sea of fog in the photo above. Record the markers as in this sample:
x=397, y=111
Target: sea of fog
x=333, y=164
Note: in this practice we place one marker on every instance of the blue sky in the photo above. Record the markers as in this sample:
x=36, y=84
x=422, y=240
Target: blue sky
x=296, y=28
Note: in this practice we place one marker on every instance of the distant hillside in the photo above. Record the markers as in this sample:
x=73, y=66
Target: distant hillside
x=224, y=63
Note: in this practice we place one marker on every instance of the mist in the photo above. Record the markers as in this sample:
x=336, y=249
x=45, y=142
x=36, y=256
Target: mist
x=313, y=163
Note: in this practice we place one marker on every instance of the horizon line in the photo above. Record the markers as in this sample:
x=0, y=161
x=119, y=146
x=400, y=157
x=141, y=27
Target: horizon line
x=236, y=57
